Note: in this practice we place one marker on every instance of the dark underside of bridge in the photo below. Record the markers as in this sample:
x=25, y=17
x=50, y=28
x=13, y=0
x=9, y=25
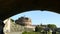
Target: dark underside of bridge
x=9, y=8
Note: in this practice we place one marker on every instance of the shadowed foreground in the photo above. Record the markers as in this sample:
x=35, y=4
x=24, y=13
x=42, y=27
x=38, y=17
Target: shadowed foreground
x=9, y=8
x=1, y=27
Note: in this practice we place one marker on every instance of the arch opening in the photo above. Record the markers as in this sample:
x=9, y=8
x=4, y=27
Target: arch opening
x=32, y=18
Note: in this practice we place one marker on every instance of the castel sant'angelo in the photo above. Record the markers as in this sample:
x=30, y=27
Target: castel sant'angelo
x=19, y=25
x=24, y=21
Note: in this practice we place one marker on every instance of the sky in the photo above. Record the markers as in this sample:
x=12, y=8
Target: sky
x=40, y=17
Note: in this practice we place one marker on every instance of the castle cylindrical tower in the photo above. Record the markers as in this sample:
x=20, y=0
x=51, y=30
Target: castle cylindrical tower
x=24, y=21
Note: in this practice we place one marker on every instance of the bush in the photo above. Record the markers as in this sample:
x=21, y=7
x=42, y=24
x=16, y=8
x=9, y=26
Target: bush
x=30, y=32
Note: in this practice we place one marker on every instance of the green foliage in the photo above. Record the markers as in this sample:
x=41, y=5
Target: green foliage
x=38, y=28
x=24, y=32
x=49, y=32
x=12, y=20
x=30, y=32
x=52, y=26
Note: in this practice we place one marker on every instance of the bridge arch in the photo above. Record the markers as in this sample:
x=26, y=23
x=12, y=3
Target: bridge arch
x=9, y=8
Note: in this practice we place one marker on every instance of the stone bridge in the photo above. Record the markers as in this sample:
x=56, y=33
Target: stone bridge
x=9, y=8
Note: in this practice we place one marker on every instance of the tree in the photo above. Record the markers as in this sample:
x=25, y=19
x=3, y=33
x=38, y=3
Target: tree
x=38, y=28
x=12, y=20
x=51, y=26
